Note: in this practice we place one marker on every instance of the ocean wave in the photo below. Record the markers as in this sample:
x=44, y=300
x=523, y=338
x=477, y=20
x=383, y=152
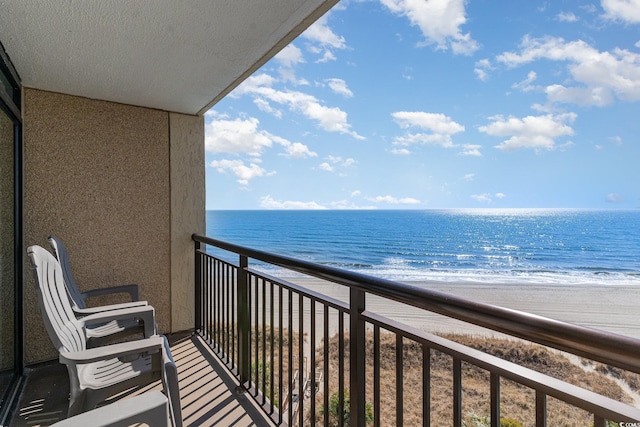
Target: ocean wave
x=402, y=273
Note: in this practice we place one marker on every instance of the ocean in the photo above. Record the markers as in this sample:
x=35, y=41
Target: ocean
x=550, y=246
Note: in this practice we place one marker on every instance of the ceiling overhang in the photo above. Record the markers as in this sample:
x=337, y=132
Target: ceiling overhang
x=180, y=56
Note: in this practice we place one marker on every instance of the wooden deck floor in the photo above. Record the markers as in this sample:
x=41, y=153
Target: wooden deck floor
x=207, y=392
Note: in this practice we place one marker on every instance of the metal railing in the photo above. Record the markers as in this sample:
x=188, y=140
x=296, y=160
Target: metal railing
x=309, y=359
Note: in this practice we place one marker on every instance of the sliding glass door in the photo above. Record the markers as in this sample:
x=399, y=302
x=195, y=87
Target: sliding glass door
x=7, y=258
x=11, y=248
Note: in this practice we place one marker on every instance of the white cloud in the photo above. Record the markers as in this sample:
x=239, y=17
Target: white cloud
x=339, y=86
x=525, y=85
x=242, y=136
x=345, y=204
x=438, y=123
x=268, y=202
x=471, y=150
x=326, y=167
x=400, y=151
x=616, y=140
x=439, y=20
x=614, y=198
x=236, y=137
x=253, y=81
x=537, y=132
x=394, y=200
x=290, y=56
x=600, y=77
x=482, y=68
x=440, y=128
x=326, y=57
x=331, y=119
x=323, y=40
x=355, y=193
x=487, y=197
x=484, y=197
x=469, y=177
x=239, y=169
x=319, y=32
x=263, y=105
x=566, y=17
x=336, y=161
x=299, y=150
x=622, y=10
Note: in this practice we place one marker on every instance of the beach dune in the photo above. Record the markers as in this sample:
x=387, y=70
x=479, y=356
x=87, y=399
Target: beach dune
x=612, y=308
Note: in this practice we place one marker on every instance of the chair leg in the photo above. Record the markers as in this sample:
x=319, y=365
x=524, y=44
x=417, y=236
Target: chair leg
x=76, y=403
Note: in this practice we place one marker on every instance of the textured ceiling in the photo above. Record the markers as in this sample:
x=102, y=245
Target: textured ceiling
x=180, y=56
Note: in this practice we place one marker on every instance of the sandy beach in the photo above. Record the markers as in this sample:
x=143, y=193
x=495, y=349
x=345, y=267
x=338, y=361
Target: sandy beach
x=613, y=308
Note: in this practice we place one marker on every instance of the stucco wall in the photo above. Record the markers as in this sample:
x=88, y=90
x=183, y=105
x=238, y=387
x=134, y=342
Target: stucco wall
x=187, y=212
x=99, y=176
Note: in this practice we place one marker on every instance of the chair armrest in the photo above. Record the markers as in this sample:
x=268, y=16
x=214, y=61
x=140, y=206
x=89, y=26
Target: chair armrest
x=138, y=347
x=99, y=309
x=145, y=313
x=148, y=408
x=132, y=290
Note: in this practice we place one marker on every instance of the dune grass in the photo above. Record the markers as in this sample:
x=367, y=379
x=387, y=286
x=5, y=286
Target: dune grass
x=517, y=401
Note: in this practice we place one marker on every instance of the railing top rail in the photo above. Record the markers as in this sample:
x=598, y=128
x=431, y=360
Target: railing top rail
x=605, y=347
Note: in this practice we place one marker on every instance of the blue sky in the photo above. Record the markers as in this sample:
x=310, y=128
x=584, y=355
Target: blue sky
x=413, y=104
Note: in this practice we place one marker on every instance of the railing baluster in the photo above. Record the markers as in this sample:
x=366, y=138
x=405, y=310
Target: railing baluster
x=599, y=421
x=494, y=380
x=312, y=362
x=541, y=409
x=244, y=323
x=231, y=277
x=399, y=381
x=197, y=303
x=301, y=367
x=457, y=392
x=280, y=354
x=264, y=341
x=271, y=347
x=357, y=358
x=210, y=303
x=326, y=365
x=205, y=305
x=207, y=300
x=226, y=298
x=290, y=354
x=214, y=311
x=340, y=369
x=376, y=376
x=217, y=306
x=426, y=386
x=255, y=301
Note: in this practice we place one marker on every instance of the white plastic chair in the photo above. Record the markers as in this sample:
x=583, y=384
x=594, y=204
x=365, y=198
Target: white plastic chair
x=79, y=299
x=98, y=373
x=107, y=331
x=148, y=408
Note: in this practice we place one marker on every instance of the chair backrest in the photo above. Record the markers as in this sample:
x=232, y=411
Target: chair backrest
x=62, y=254
x=62, y=326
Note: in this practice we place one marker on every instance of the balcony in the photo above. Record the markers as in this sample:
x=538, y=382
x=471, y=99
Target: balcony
x=207, y=392
x=268, y=351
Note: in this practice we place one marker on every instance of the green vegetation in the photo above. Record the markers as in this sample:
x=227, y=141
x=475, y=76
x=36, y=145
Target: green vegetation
x=482, y=421
x=334, y=410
